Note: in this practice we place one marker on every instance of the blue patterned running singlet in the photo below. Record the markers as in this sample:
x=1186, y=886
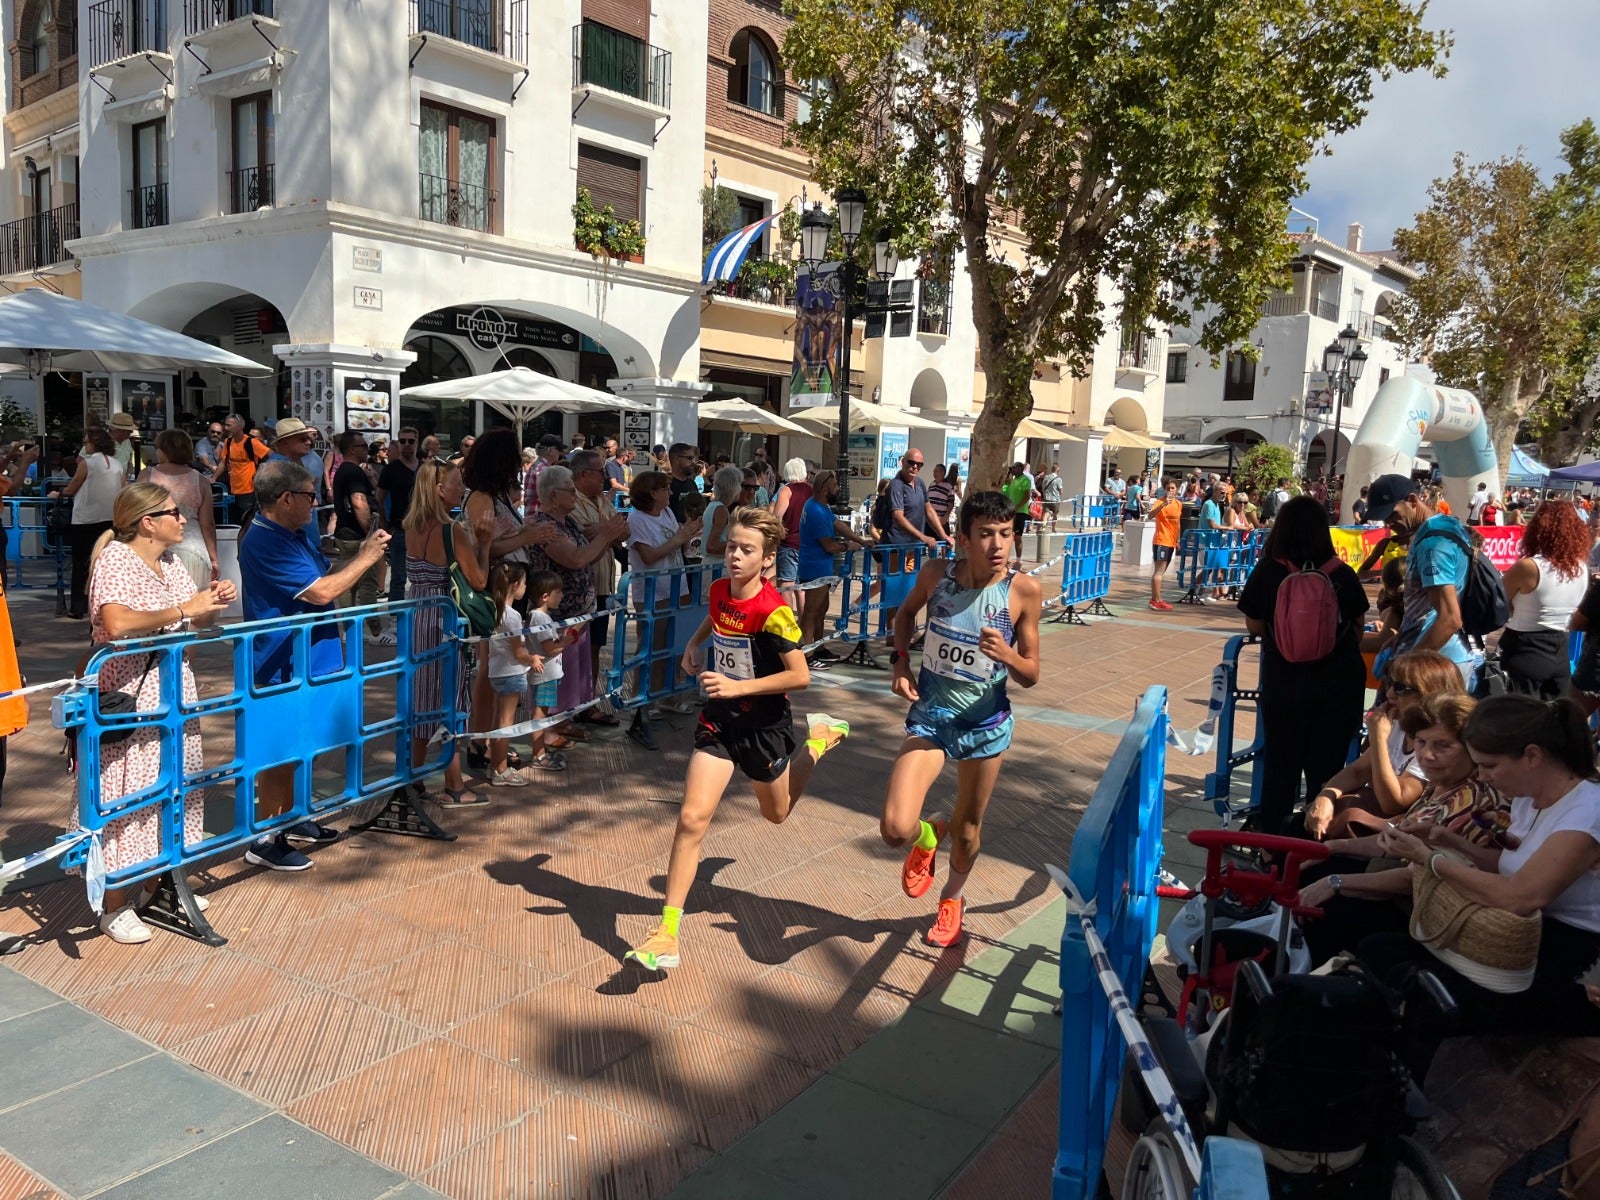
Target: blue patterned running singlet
x=956, y=676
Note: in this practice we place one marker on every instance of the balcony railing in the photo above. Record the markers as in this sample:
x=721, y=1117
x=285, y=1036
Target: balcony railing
x=933, y=307
x=118, y=28
x=37, y=241
x=147, y=206
x=498, y=26
x=201, y=15
x=250, y=188
x=464, y=205
x=619, y=62
x=1287, y=304
x=1139, y=354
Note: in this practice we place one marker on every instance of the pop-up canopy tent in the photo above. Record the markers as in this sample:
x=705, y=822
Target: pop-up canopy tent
x=521, y=395
x=1582, y=473
x=1525, y=470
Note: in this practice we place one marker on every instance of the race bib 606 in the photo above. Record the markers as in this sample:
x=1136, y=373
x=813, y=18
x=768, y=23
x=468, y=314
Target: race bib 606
x=954, y=654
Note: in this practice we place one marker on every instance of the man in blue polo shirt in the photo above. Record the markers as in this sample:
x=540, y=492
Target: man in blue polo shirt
x=1437, y=565
x=285, y=574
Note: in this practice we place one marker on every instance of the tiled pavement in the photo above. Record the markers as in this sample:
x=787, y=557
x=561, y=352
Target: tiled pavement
x=419, y=1015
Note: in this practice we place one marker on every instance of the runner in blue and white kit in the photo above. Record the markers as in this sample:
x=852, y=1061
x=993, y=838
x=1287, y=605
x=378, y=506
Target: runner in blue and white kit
x=983, y=631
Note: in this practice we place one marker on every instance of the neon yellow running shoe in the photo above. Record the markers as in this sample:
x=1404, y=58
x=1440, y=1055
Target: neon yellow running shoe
x=823, y=732
x=657, y=952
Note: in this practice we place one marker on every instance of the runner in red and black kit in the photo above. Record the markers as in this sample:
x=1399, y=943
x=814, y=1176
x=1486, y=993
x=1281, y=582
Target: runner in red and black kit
x=756, y=659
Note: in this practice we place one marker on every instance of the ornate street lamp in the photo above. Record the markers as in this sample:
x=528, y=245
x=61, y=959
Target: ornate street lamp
x=816, y=228
x=1344, y=360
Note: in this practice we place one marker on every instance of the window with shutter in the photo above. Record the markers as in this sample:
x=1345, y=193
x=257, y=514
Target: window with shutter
x=612, y=178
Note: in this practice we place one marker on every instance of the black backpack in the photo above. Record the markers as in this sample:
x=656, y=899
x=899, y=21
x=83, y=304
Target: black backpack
x=882, y=517
x=1484, y=606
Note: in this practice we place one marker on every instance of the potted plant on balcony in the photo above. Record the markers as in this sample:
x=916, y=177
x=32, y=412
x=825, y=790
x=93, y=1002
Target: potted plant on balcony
x=602, y=233
x=768, y=280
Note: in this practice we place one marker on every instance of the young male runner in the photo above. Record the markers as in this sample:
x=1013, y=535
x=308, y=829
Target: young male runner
x=983, y=628
x=756, y=660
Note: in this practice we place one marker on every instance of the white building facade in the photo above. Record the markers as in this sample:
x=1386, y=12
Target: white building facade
x=1282, y=396
x=370, y=196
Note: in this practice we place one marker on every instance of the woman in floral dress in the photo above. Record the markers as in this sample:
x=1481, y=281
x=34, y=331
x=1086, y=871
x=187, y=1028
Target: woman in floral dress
x=138, y=588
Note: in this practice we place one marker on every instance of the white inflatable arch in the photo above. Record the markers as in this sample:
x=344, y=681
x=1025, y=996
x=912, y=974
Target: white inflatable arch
x=1407, y=412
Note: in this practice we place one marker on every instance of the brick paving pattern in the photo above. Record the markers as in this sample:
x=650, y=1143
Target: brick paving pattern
x=455, y=1013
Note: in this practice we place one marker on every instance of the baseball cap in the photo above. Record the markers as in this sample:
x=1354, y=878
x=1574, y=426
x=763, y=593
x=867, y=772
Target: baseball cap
x=1384, y=492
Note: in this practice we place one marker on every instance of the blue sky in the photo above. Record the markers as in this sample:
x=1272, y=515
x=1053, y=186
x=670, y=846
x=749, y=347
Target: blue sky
x=1520, y=72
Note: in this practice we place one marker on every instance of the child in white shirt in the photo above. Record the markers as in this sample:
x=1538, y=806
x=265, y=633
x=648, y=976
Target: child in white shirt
x=545, y=588
x=509, y=662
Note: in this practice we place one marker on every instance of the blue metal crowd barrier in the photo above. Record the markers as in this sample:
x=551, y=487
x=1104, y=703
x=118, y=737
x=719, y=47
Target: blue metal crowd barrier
x=345, y=735
x=35, y=557
x=1116, y=861
x=875, y=582
x=1219, y=782
x=1085, y=577
x=1216, y=559
x=671, y=604
x=1094, y=512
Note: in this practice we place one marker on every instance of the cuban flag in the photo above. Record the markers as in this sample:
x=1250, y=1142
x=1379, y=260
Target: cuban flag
x=727, y=256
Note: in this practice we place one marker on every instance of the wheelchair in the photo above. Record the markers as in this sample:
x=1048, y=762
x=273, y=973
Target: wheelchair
x=1320, y=1071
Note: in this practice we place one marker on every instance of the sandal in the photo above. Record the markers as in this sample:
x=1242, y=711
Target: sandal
x=550, y=762
x=453, y=798
x=570, y=732
x=596, y=716
x=556, y=742
x=513, y=760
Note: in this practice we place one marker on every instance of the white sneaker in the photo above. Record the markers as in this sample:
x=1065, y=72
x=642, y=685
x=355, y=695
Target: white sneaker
x=125, y=926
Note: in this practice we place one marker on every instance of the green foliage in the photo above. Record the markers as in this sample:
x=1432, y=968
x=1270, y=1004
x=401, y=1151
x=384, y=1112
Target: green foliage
x=1262, y=466
x=1153, y=144
x=719, y=213
x=768, y=272
x=601, y=231
x=16, y=421
x=1508, y=303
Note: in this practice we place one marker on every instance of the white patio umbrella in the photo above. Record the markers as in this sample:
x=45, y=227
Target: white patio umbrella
x=1126, y=439
x=42, y=331
x=1029, y=428
x=748, y=418
x=864, y=415
x=521, y=395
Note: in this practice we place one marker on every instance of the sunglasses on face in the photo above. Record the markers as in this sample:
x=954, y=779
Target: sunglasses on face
x=915, y=466
x=1402, y=689
x=407, y=441
x=307, y=495
x=164, y=512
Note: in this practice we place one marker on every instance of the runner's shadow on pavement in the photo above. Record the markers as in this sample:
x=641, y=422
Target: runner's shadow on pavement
x=760, y=923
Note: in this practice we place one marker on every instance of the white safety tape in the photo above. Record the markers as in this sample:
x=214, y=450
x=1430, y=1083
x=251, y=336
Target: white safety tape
x=543, y=631
x=1144, y=1057
x=86, y=681
x=22, y=866
x=539, y=725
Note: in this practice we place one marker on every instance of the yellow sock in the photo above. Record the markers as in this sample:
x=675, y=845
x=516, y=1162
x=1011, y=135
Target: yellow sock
x=669, y=920
x=928, y=837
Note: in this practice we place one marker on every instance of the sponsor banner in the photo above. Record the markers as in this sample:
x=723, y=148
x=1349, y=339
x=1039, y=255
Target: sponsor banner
x=1502, y=543
x=893, y=445
x=816, y=344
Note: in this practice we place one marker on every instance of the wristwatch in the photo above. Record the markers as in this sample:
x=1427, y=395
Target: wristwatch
x=1336, y=882
x=895, y=658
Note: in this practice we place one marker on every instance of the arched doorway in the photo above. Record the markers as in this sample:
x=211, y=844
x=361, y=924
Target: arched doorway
x=453, y=343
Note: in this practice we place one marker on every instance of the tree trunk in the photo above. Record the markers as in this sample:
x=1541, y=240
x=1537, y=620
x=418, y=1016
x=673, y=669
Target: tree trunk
x=1007, y=400
x=1504, y=420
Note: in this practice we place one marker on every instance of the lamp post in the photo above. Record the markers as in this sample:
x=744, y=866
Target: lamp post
x=816, y=227
x=1344, y=360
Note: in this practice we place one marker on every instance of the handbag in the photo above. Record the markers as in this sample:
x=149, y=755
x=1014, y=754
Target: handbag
x=476, y=607
x=113, y=703
x=1495, y=948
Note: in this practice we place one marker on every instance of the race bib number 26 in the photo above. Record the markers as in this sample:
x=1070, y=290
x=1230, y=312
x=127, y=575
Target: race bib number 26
x=732, y=656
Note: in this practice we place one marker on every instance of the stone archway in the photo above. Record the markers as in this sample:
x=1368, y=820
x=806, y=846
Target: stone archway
x=1127, y=413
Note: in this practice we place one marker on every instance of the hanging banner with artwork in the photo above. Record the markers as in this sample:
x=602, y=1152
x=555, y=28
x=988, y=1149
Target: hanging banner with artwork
x=892, y=447
x=958, y=450
x=816, y=342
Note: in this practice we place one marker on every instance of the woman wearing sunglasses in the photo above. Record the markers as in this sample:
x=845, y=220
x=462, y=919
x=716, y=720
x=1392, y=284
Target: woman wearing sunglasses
x=1386, y=779
x=139, y=588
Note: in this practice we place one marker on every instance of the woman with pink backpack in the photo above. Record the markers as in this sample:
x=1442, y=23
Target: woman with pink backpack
x=1307, y=607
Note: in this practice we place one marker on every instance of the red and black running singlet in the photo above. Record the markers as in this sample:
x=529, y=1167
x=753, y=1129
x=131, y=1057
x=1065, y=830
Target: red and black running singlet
x=748, y=641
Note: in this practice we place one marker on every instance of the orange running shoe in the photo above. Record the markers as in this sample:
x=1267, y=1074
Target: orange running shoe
x=916, y=876
x=946, y=929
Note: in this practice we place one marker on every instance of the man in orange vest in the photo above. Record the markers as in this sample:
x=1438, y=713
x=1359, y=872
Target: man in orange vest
x=13, y=719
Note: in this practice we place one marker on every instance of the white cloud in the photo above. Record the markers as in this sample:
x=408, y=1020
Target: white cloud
x=1519, y=74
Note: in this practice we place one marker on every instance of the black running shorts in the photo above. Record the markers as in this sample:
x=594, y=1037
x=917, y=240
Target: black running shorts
x=762, y=755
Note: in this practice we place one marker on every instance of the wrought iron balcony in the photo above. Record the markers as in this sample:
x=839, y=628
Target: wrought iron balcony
x=1138, y=353
x=118, y=28
x=619, y=62
x=201, y=15
x=250, y=188
x=498, y=26
x=464, y=205
x=147, y=206
x=37, y=241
